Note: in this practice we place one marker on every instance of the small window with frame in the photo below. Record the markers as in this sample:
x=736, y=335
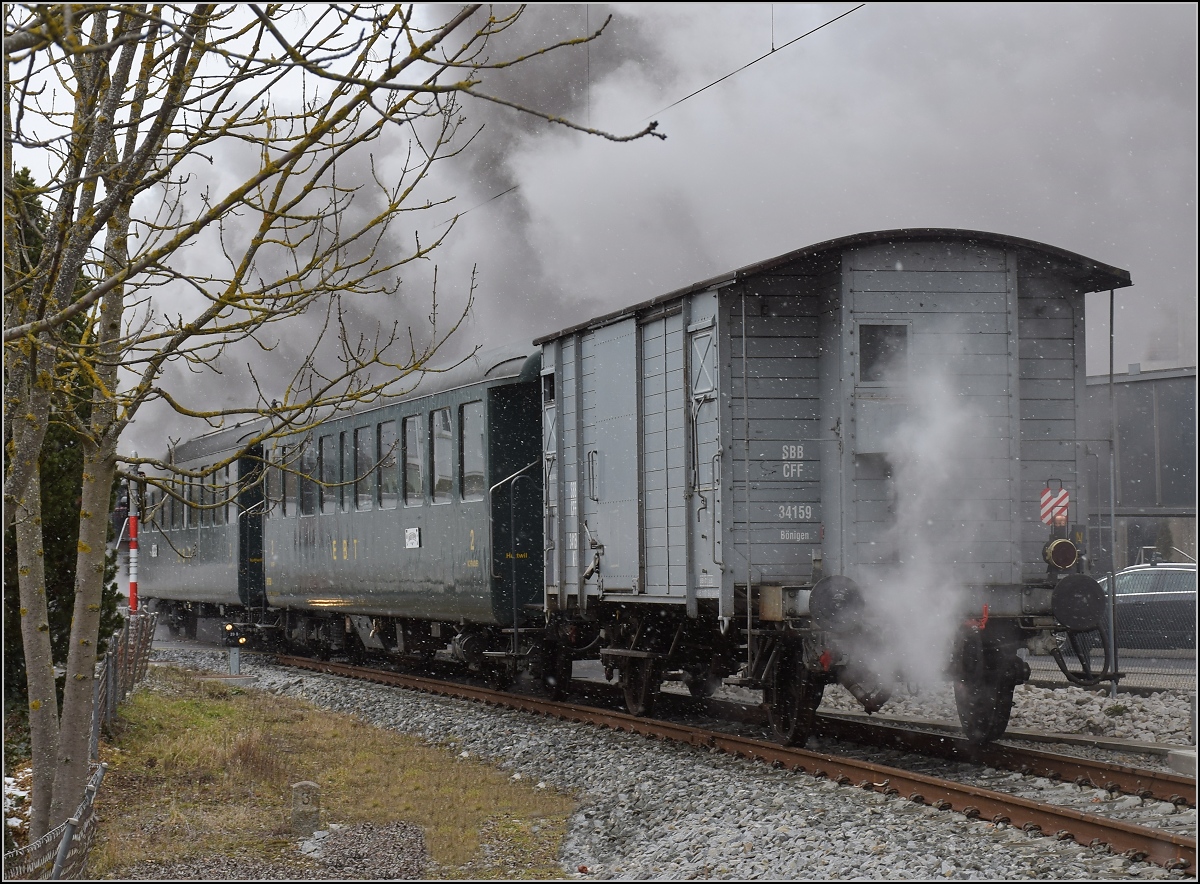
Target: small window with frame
x=345, y=488
x=287, y=466
x=327, y=457
x=308, y=472
x=470, y=456
x=414, y=461
x=882, y=352
x=364, y=468
x=388, y=472
x=441, y=436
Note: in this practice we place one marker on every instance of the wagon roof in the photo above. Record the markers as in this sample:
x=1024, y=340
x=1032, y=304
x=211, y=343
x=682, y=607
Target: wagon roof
x=503, y=362
x=1092, y=275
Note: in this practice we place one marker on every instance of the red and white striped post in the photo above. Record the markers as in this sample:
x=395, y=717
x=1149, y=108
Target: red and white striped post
x=133, y=548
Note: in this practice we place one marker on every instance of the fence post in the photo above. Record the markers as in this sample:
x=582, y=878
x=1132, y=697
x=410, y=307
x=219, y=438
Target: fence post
x=111, y=705
x=123, y=663
x=94, y=747
x=64, y=847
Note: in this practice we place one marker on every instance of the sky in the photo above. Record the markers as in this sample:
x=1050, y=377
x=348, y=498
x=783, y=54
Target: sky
x=1069, y=124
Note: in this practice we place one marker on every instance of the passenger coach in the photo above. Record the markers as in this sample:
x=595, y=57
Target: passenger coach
x=397, y=517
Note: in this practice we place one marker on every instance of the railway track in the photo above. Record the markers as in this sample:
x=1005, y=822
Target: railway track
x=975, y=792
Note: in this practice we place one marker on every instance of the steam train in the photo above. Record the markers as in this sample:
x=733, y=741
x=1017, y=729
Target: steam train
x=827, y=467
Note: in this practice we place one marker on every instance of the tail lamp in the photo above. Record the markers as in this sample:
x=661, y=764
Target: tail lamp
x=1060, y=553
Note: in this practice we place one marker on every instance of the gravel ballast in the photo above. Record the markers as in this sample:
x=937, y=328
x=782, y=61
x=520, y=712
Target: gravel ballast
x=650, y=810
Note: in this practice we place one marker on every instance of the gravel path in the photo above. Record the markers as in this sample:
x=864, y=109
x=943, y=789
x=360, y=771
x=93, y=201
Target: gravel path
x=650, y=810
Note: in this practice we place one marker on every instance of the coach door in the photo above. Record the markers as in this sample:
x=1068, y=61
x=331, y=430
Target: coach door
x=609, y=470
x=249, y=514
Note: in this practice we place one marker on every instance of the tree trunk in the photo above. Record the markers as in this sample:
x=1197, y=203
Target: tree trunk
x=39, y=659
x=99, y=467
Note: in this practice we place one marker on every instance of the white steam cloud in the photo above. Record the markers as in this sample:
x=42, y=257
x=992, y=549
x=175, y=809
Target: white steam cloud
x=935, y=455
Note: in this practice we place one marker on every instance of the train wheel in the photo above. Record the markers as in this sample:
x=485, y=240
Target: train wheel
x=984, y=704
x=640, y=678
x=987, y=674
x=792, y=695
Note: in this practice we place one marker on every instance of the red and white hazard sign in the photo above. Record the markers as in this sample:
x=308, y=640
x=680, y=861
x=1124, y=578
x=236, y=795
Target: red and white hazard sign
x=1054, y=503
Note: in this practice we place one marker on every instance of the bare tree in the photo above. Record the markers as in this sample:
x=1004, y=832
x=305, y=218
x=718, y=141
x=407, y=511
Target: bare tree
x=134, y=112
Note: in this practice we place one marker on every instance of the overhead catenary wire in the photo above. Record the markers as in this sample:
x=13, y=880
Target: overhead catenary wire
x=685, y=98
x=757, y=60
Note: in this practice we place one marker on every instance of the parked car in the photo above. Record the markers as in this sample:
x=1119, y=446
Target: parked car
x=1156, y=606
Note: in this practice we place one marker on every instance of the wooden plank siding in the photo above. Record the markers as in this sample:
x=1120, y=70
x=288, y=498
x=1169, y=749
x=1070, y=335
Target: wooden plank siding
x=777, y=386
x=1051, y=350
x=957, y=302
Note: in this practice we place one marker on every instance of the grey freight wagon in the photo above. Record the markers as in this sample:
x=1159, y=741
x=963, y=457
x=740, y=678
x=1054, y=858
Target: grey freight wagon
x=827, y=466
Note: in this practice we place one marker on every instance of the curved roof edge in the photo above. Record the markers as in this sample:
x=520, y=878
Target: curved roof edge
x=504, y=362
x=1093, y=275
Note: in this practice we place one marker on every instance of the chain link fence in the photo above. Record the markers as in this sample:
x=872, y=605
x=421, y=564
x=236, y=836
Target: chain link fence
x=63, y=851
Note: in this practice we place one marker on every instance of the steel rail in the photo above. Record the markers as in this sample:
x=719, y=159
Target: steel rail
x=1154, y=845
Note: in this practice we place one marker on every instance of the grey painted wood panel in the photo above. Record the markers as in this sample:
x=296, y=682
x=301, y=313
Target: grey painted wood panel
x=1046, y=388
x=797, y=328
x=772, y=410
x=948, y=282
x=774, y=367
x=1044, y=327
x=1048, y=430
x=1043, y=308
x=892, y=303
x=1048, y=348
x=975, y=344
x=917, y=256
x=1033, y=451
x=1049, y=369
x=1046, y=409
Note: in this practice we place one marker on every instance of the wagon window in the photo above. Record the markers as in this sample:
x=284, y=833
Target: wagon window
x=364, y=468
x=327, y=464
x=414, y=462
x=274, y=487
x=204, y=514
x=388, y=473
x=882, y=352
x=470, y=461
x=442, y=459
x=211, y=497
x=345, y=491
x=288, y=463
x=221, y=490
x=308, y=470
x=173, y=509
x=193, y=499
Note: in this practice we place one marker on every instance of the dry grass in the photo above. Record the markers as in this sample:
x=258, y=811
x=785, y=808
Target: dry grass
x=197, y=767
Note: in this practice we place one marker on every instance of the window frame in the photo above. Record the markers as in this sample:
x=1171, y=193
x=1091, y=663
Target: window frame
x=480, y=452
x=860, y=368
x=364, y=473
x=436, y=497
x=383, y=469
x=407, y=445
x=327, y=498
